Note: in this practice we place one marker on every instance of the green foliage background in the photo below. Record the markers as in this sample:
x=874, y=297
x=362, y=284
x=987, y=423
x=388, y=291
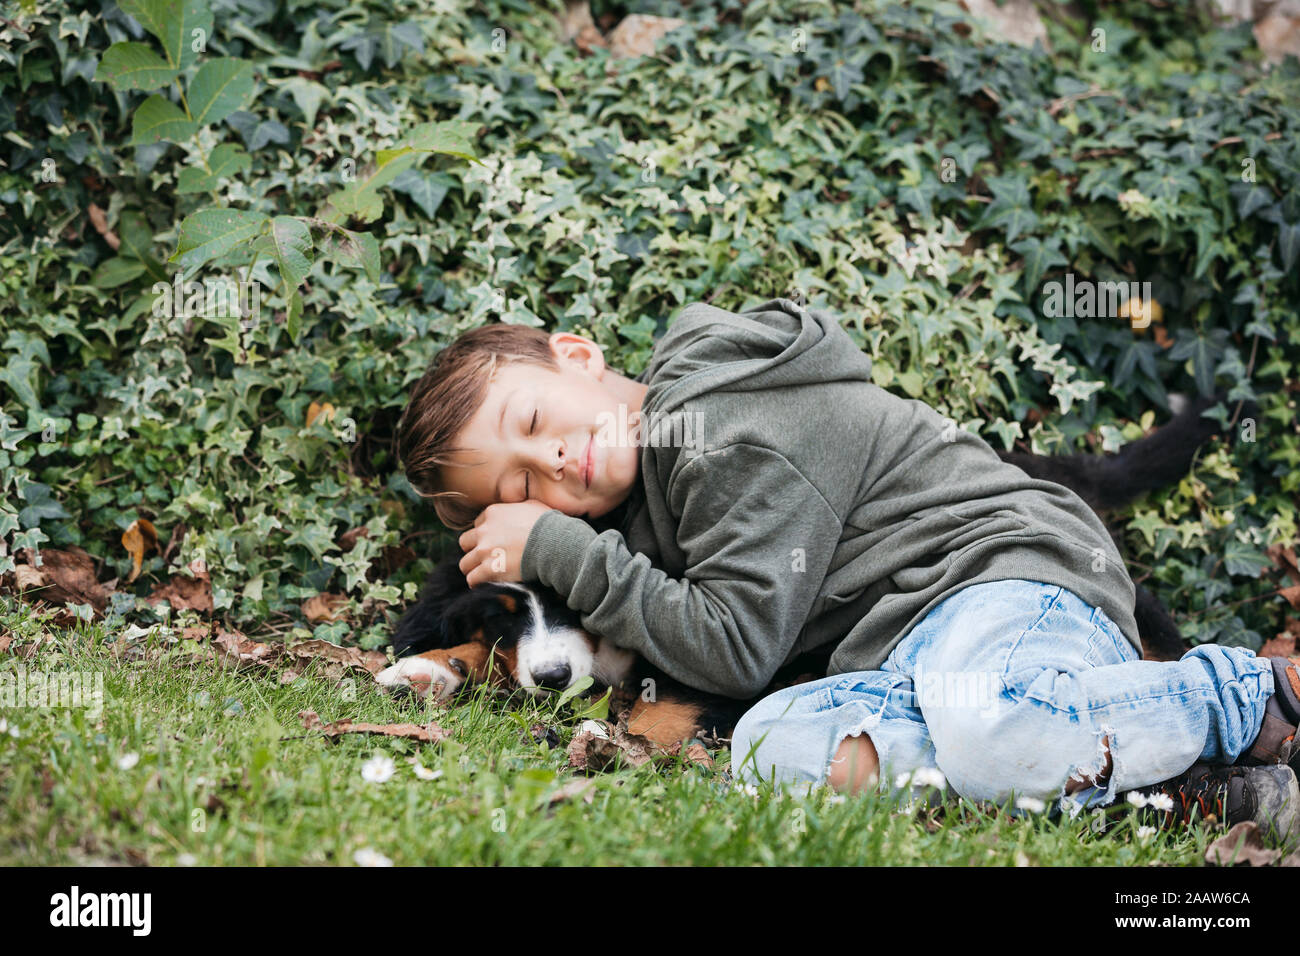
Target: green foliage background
x=764, y=149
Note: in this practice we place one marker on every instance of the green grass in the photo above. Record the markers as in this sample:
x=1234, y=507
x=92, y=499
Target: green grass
x=226, y=774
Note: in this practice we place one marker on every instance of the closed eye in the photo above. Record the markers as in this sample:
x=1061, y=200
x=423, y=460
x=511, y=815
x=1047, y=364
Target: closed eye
x=532, y=426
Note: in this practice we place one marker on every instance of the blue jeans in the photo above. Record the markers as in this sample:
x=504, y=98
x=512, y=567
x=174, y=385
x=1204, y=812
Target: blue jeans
x=1008, y=690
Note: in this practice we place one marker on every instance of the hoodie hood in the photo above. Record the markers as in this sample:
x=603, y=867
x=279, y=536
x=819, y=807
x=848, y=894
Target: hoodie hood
x=774, y=345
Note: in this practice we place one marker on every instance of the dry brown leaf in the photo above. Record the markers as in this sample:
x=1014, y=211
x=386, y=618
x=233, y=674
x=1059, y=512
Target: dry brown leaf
x=372, y=662
x=316, y=409
x=578, y=787
x=429, y=733
x=348, y=539
x=697, y=754
x=1281, y=646
x=26, y=576
x=185, y=593
x=1292, y=595
x=637, y=34
x=235, y=650
x=100, y=221
x=1284, y=559
x=590, y=751
x=200, y=633
x=1241, y=845
x=1015, y=21
x=578, y=26
x=69, y=577
x=323, y=608
x=138, y=538
x=5, y=641
x=1277, y=36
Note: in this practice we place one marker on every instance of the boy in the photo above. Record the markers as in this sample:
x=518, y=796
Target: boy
x=775, y=501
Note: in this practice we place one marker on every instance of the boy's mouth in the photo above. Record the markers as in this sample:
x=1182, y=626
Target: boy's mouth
x=586, y=464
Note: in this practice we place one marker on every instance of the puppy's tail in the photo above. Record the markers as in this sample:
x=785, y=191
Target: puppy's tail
x=1107, y=482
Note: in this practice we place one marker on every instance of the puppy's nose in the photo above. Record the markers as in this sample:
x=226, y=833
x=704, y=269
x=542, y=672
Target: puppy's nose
x=553, y=676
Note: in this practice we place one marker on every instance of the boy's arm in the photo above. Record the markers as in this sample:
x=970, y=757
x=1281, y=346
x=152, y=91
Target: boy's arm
x=758, y=538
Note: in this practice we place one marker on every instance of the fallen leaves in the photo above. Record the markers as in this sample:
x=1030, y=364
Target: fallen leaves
x=349, y=658
x=324, y=608
x=138, y=538
x=318, y=409
x=429, y=733
x=99, y=220
x=578, y=788
x=593, y=750
x=235, y=650
x=1243, y=845
x=186, y=593
x=62, y=577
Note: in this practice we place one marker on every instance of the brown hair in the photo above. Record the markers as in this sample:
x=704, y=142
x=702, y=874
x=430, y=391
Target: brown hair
x=448, y=395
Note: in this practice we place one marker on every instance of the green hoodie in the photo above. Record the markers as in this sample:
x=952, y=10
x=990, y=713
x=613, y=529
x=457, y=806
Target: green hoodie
x=803, y=506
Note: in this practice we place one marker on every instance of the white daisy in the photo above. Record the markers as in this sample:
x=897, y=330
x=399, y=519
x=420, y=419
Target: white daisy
x=1030, y=804
x=424, y=773
x=929, y=777
x=368, y=857
x=127, y=761
x=1161, y=801
x=1137, y=799
x=186, y=859
x=1145, y=832
x=378, y=769
x=1071, y=807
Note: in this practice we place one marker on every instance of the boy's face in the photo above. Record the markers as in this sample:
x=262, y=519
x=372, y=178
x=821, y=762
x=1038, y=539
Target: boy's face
x=536, y=433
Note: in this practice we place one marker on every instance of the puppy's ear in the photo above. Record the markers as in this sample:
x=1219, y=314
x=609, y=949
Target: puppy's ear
x=424, y=626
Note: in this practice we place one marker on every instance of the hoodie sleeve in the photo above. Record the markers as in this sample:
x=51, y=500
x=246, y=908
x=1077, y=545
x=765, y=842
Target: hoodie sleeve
x=758, y=538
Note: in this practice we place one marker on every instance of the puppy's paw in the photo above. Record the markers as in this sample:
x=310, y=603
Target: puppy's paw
x=424, y=675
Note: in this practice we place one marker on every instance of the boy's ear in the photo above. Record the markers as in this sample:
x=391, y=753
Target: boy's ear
x=570, y=347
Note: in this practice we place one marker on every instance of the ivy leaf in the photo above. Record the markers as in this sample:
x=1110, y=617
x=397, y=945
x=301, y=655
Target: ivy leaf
x=387, y=42
x=843, y=74
x=293, y=315
x=1012, y=206
x=221, y=87
x=1250, y=197
x=1288, y=244
x=213, y=232
x=1203, y=353
x=183, y=26
x=1039, y=257
x=158, y=118
x=353, y=249
x=226, y=160
x=425, y=189
x=21, y=373
x=1241, y=558
x=134, y=66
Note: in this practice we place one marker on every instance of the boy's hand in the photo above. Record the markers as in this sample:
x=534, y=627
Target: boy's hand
x=494, y=547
